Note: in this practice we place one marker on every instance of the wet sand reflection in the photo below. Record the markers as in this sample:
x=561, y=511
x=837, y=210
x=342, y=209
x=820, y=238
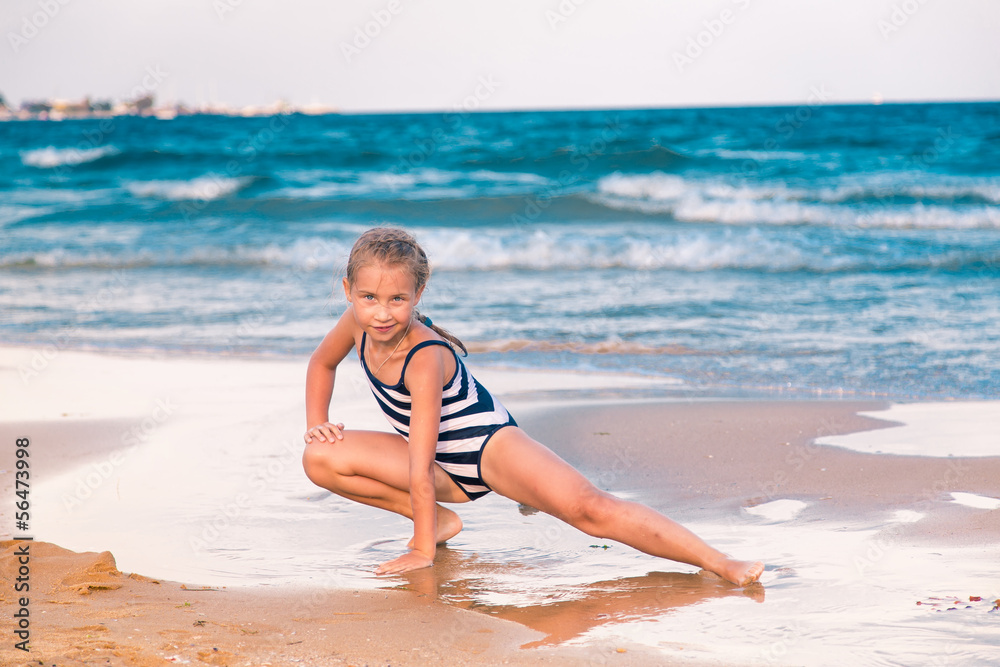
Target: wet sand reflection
x=467, y=581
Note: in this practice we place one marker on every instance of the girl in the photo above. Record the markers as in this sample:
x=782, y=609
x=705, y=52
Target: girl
x=455, y=441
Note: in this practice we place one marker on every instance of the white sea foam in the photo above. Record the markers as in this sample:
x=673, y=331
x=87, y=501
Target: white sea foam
x=15, y=213
x=977, y=501
x=203, y=188
x=423, y=183
x=783, y=509
x=553, y=250
x=757, y=156
x=506, y=177
x=305, y=253
x=73, y=197
x=930, y=429
x=655, y=187
x=50, y=156
x=906, y=516
x=715, y=200
x=483, y=250
x=884, y=187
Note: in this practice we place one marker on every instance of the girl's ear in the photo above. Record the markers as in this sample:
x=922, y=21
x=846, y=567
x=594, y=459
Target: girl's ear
x=419, y=292
x=347, y=290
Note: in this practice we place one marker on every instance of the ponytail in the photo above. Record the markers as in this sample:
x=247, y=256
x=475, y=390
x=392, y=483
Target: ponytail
x=448, y=336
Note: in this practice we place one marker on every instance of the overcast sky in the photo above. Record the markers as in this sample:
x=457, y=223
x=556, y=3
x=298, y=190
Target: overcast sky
x=385, y=55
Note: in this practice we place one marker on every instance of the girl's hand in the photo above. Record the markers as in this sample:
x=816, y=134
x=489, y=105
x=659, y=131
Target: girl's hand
x=415, y=560
x=325, y=432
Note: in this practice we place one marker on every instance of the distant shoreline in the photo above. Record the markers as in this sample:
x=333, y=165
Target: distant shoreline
x=280, y=108
x=163, y=113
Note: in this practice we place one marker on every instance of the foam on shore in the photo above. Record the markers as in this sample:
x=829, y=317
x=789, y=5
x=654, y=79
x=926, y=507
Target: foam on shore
x=783, y=509
x=930, y=429
x=975, y=500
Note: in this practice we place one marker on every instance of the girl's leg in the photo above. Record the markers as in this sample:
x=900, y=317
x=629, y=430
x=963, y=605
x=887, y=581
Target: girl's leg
x=373, y=468
x=520, y=468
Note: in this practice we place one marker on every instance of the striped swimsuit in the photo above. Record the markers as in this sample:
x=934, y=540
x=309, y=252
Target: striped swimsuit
x=470, y=415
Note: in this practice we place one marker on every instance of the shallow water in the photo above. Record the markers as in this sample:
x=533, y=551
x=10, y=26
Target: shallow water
x=834, y=592
x=217, y=496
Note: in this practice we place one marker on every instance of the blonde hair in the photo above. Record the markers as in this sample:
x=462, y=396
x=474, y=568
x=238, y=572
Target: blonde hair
x=388, y=246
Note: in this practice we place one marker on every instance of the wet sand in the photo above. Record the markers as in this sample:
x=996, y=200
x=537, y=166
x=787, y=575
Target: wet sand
x=714, y=457
x=85, y=611
x=515, y=587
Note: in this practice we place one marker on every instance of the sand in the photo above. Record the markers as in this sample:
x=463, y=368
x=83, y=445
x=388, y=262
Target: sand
x=718, y=456
x=84, y=611
x=515, y=587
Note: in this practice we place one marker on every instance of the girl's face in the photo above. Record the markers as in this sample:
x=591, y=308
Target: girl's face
x=383, y=299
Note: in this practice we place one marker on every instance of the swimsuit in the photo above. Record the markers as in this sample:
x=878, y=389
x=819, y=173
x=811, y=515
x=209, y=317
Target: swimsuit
x=470, y=415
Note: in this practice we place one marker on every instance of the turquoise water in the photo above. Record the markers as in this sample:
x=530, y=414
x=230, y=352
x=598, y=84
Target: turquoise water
x=849, y=249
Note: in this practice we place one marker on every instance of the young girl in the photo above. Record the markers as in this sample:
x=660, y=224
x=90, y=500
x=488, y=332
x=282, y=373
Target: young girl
x=455, y=442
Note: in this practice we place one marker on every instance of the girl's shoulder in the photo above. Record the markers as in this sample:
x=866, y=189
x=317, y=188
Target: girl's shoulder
x=429, y=359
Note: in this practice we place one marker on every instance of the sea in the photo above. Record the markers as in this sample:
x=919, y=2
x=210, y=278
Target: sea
x=809, y=250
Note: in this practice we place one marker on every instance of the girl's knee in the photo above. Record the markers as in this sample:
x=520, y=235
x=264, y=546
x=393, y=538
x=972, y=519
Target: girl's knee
x=318, y=462
x=593, y=511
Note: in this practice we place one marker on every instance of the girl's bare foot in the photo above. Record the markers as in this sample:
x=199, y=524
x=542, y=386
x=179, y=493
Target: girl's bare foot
x=739, y=572
x=449, y=525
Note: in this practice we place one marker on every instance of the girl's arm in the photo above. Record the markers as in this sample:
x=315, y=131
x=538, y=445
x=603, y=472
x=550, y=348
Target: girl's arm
x=320, y=377
x=425, y=377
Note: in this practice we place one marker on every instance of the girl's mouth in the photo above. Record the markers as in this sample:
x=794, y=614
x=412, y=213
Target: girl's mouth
x=384, y=329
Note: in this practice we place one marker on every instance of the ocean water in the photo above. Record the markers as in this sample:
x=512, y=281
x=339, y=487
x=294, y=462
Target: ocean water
x=811, y=249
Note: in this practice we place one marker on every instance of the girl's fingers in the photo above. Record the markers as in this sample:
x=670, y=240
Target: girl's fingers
x=325, y=432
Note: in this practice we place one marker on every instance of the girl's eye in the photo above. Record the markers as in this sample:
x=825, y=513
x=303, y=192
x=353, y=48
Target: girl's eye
x=368, y=297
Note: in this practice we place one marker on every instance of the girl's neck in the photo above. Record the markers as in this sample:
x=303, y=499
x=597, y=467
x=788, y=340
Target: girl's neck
x=372, y=345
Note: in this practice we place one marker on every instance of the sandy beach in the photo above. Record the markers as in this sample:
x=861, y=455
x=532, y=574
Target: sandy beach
x=187, y=532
